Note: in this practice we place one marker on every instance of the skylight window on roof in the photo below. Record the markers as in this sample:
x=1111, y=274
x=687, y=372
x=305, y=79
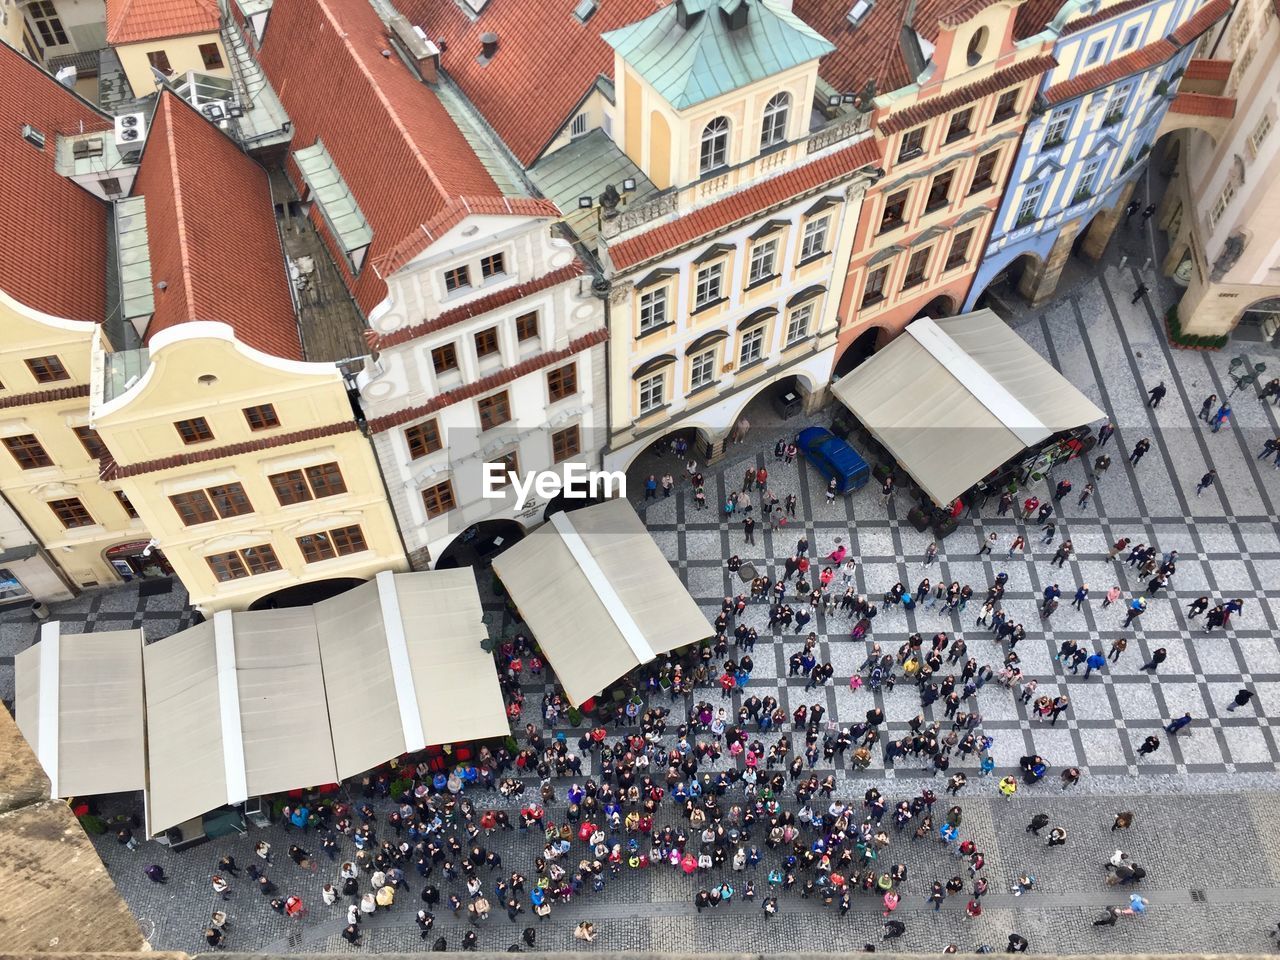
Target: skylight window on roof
x=859, y=11
x=133, y=259
x=337, y=205
x=584, y=10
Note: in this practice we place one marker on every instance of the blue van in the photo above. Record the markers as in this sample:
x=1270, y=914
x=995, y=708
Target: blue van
x=832, y=457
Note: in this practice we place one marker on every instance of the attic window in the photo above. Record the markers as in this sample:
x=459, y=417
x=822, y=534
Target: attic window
x=859, y=11
x=33, y=136
x=584, y=10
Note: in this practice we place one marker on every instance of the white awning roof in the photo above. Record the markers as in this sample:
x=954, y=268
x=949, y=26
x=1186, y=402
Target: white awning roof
x=953, y=399
x=599, y=596
x=79, y=704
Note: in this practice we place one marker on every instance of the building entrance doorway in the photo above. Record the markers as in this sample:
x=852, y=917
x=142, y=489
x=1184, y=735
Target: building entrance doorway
x=138, y=560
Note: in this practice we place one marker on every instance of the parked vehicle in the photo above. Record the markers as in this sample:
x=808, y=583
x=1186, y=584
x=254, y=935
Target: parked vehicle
x=832, y=457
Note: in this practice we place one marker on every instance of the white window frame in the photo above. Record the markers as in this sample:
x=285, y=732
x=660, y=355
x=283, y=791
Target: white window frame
x=713, y=146
x=798, y=323
x=1222, y=203
x=814, y=241
x=773, y=127
x=708, y=285
x=702, y=369
x=752, y=347
x=1056, y=129
x=1030, y=202
x=1130, y=36
x=1088, y=176
x=1095, y=52
x=653, y=309
x=764, y=260
x=1260, y=132
x=653, y=392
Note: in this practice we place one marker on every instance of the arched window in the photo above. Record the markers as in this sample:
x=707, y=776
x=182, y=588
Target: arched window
x=715, y=145
x=774, y=128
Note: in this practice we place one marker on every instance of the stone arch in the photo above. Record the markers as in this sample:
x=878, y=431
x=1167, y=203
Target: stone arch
x=479, y=543
x=863, y=346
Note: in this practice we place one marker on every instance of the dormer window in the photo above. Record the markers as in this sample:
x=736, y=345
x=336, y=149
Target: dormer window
x=774, y=128
x=714, y=151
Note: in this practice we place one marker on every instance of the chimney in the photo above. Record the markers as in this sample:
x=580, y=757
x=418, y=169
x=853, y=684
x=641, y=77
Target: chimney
x=488, y=46
x=415, y=48
x=686, y=18
x=429, y=64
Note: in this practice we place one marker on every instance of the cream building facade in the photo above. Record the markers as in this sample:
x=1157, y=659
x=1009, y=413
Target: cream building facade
x=169, y=37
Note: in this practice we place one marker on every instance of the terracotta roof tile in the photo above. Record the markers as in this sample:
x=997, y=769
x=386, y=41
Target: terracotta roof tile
x=963, y=12
x=485, y=384
x=937, y=105
x=133, y=21
x=112, y=470
x=1204, y=105
x=1202, y=20
x=546, y=61
x=743, y=205
x=480, y=306
x=54, y=250
x=212, y=231
x=1034, y=15
x=44, y=396
x=403, y=157
x=1144, y=58
x=1200, y=69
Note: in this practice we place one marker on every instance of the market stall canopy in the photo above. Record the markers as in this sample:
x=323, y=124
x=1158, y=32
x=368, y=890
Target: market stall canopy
x=79, y=704
x=955, y=398
x=599, y=596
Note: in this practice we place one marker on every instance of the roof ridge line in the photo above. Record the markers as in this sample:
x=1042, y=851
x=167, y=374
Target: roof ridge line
x=179, y=213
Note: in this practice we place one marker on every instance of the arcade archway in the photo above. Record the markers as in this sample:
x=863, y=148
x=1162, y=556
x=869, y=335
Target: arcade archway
x=305, y=594
x=858, y=352
x=479, y=544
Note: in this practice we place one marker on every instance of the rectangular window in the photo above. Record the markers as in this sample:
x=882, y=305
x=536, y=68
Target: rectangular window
x=1095, y=53
x=984, y=171
x=579, y=125
x=916, y=267
x=459, y=278
x=1130, y=37
x=227, y=566
x=1223, y=202
x=562, y=382
x=814, y=242
x=1029, y=208
x=959, y=253
x=566, y=443
x=752, y=346
x=71, y=512
x=912, y=144
x=1056, y=132
x=764, y=257
x=940, y=191
x=873, y=293
x=47, y=369
x=492, y=266
x=125, y=505
x=438, y=499
x=261, y=417
x=653, y=392
x=45, y=17
x=1088, y=176
x=958, y=126
x=229, y=500
x=290, y=487
x=1260, y=132
x=894, y=208
x=28, y=451
x=798, y=323
x=91, y=442
x=702, y=369
x=211, y=56
x=193, y=507
x=160, y=60
x=508, y=464
x=260, y=559
x=709, y=285
x=423, y=438
x=526, y=327
x=326, y=480
x=316, y=547
x=487, y=342
x=1006, y=106
x=195, y=430
x=444, y=358
x=494, y=411
x=348, y=540
x=653, y=309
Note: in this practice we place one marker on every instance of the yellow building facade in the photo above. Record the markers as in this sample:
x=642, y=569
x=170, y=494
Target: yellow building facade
x=202, y=53
x=247, y=491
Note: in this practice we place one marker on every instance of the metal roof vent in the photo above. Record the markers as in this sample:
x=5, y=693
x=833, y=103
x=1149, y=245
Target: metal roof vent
x=33, y=136
x=488, y=48
x=859, y=11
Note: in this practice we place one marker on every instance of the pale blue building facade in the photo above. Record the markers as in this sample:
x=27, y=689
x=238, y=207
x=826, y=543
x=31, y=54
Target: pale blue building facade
x=1097, y=116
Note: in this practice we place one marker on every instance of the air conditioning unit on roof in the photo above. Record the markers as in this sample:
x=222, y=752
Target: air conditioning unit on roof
x=131, y=129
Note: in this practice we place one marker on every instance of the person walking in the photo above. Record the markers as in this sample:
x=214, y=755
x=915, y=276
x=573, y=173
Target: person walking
x=1174, y=727
x=987, y=543
x=1205, y=407
x=1082, y=594
x=1015, y=547
x=1206, y=481
x=1149, y=746
x=1112, y=596
x=1105, y=433
x=1241, y=699
x=1156, y=393
x=749, y=530
x=1137, y=608
x=1123, y=821
x=221, y=887
x=1158, y=656
x=155, y=873
x=1117, y=548
x=1132, y=207
x=1062, y=554
x=1083, y=500
x=1057, y=837
x=1148, y=211
x=1118, y=646
x=1139, y=450
x=1221, y=417
x=1038, y=823
x=1138, y=294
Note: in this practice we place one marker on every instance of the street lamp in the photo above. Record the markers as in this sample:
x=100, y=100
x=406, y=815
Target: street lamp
x=1247, y=378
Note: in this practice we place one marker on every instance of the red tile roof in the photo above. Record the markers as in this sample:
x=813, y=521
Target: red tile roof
x=1034, y=15
x=485, y=384
x=54, y=249
x=545, y=64
x=934, y=106
x=480, y=306
x=212, y=230
x=1203, y=19
x=1204, y=105
x=743, y=205
x=1200, y=69
x=110, y=470
x=134, y=21
x=404, y=159
x=1144, y=58
x=872, y=50
x=54, y=394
